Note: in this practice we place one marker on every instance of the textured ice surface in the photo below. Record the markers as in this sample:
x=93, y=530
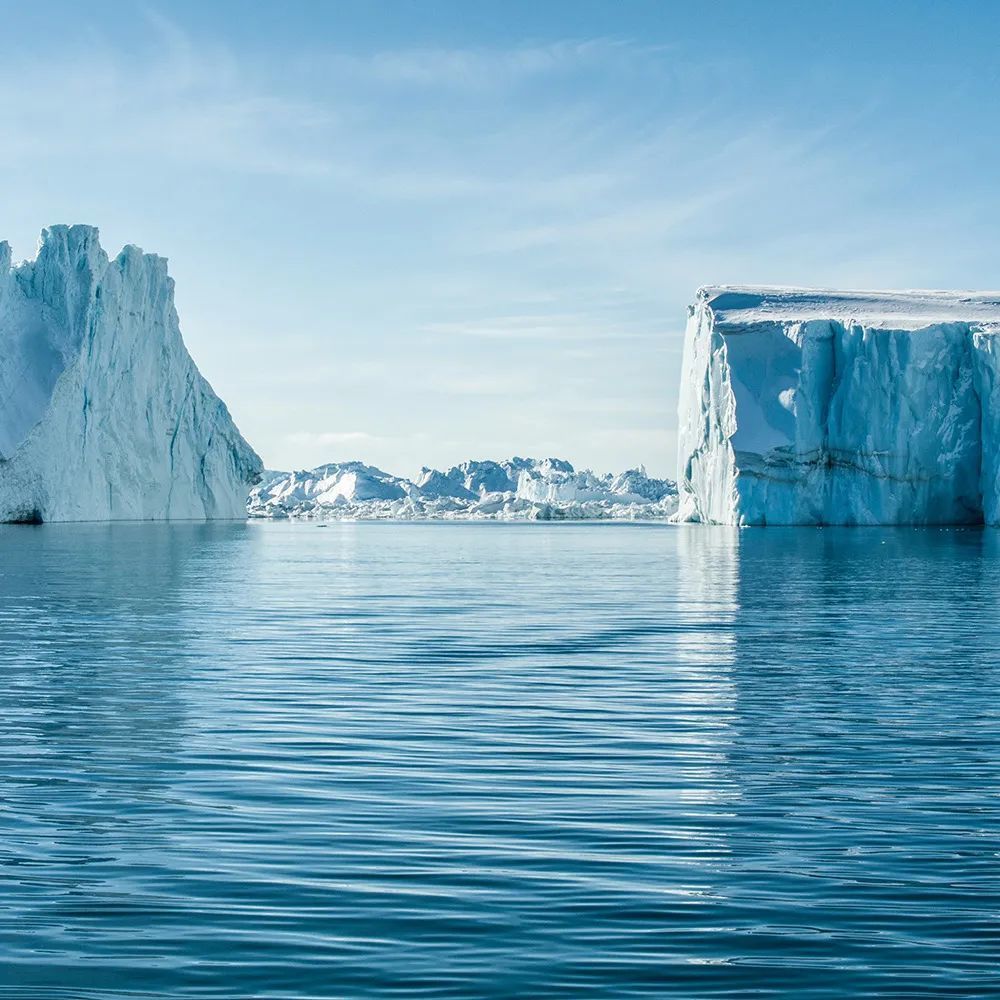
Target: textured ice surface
x=515, y=489
x=816, y=407
x=103, y=414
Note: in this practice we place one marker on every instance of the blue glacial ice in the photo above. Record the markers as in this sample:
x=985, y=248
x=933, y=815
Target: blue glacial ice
x=824, y=407
x=103, y=413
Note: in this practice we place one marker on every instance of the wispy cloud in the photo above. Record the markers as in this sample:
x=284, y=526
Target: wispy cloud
x=479, y=67
x=175, y=102
x=331, y=439
x=575, y=327
x=564, y=170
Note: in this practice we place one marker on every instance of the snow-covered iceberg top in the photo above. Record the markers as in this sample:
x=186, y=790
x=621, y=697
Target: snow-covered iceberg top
x=514, y=489
x=739, y=307
x=103, y=414
x=801, y=406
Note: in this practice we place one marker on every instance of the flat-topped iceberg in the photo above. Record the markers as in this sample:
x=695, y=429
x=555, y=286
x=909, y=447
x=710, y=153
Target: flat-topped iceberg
x=823, y=407
x=515, y=489
x=103, y=414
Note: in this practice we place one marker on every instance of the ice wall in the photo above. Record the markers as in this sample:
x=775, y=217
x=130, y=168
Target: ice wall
x=814, y=407
x=103, y=413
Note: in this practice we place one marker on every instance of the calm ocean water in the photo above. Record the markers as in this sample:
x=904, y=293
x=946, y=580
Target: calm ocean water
x=488, y=760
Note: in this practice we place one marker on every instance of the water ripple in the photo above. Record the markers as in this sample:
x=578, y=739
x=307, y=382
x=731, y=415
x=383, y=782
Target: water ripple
x=435, y=760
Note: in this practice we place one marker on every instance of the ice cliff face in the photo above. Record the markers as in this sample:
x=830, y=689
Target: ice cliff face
x=811, y=407
x=103, y=414
x=515, y=489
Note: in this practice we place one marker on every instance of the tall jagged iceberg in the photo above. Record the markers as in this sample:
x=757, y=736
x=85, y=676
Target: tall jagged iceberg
x=103, y=413
x=823, y=407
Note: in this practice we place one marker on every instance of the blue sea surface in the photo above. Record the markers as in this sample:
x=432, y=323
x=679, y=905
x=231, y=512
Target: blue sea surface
x=498, y=760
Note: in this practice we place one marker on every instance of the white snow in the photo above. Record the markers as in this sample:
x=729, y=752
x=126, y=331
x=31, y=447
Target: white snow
x=557, y=482
x=515, y=489
x=740, y=306
x=820, y=407
x=103, y=413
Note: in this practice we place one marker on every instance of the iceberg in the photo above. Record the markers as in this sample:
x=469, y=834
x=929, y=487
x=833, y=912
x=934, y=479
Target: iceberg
x=334, y=485
x=514, y=489
x=103, y=413
x=555, y=481
x=477, y=478
x=823, y=407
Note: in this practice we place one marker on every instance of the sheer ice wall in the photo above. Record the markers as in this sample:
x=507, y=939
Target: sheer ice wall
x=103, y=413
x=816, y=407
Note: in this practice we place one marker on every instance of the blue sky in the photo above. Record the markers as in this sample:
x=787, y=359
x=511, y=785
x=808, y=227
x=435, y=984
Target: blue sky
x=421, y=232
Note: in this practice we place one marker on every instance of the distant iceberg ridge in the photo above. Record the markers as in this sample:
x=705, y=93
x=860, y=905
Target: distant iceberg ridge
x=518, y=489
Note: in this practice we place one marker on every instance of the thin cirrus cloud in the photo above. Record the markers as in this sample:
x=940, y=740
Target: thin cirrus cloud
x=574, y=329
x=201, y=105
x=333, y=439
x=175, y=103
x=487, y=68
